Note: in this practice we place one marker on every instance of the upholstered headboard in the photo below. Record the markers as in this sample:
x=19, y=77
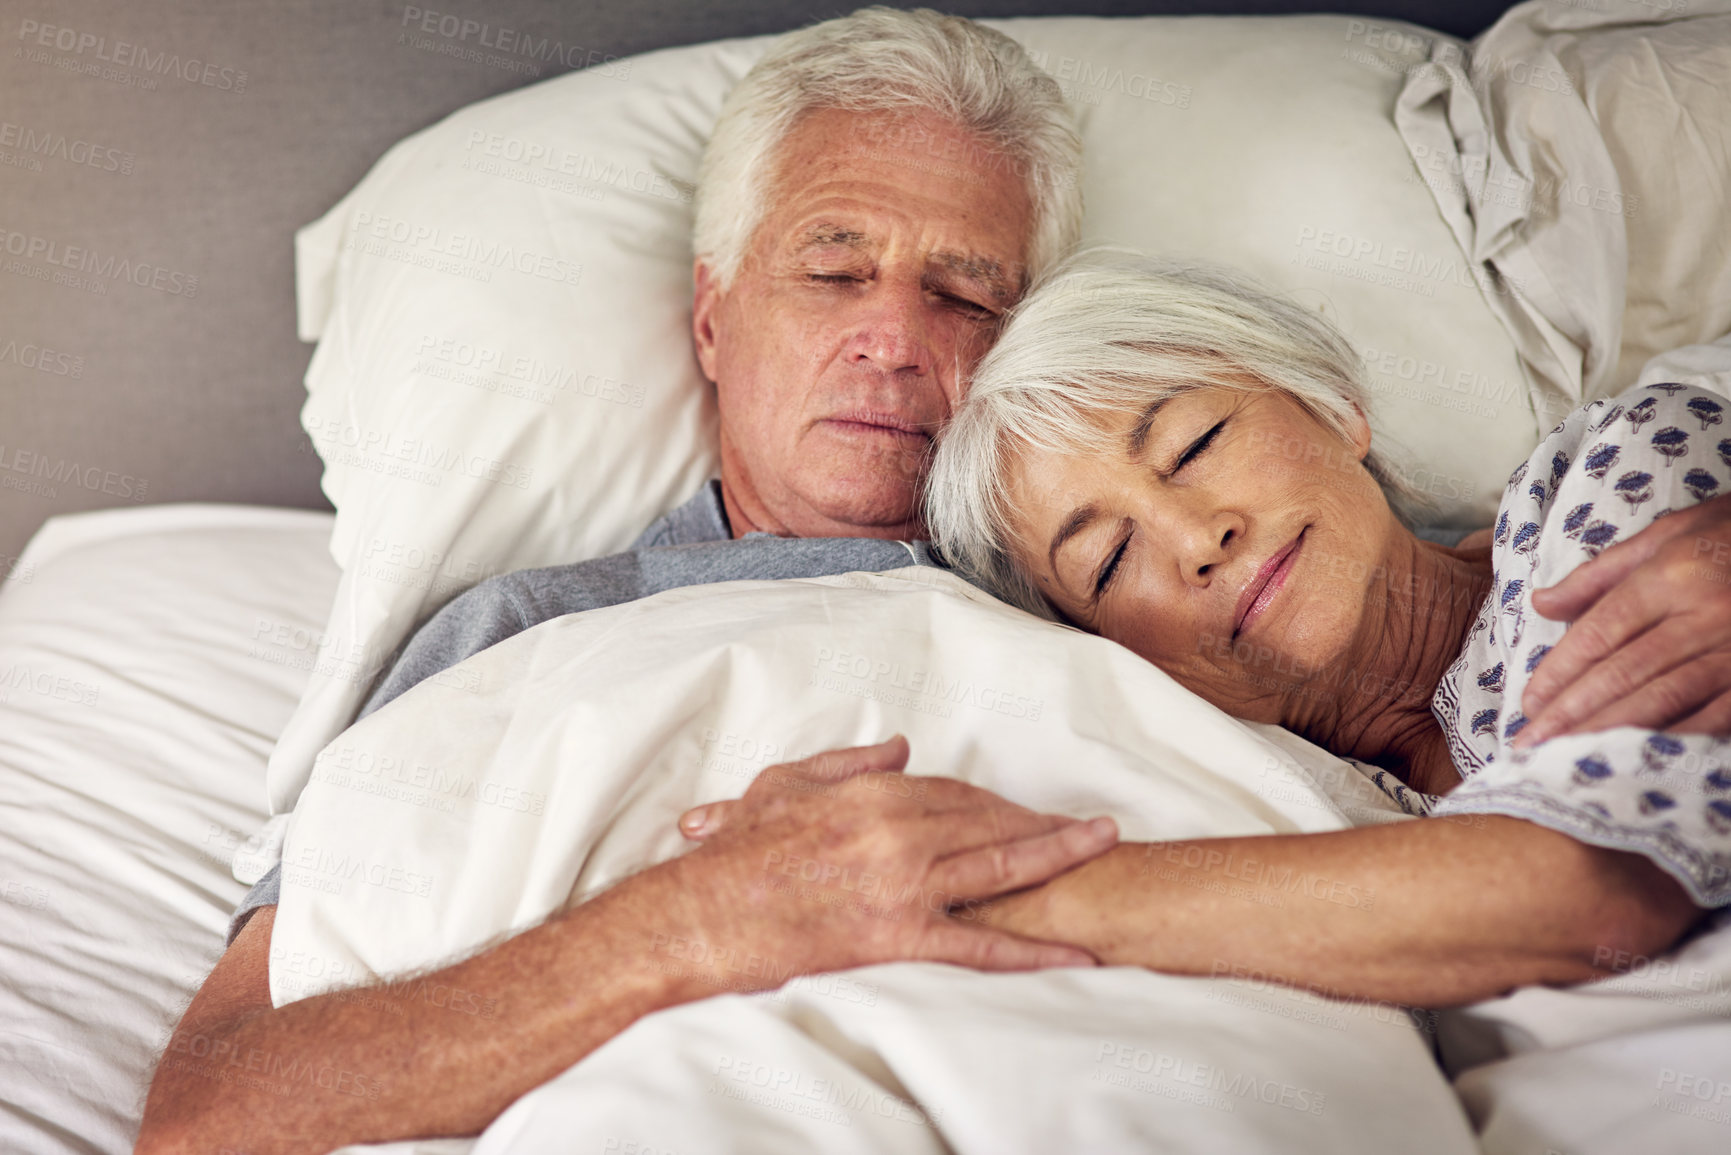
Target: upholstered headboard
x=155, y=160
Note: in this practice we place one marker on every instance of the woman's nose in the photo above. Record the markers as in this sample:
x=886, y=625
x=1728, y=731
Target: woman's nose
x=1208, y=542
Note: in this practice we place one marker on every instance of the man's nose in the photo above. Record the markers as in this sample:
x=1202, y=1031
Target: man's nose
x=893, y=335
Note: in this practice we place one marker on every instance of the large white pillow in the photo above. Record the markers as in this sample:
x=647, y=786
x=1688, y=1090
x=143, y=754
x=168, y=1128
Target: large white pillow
x=1583, y=153
x=504, y=379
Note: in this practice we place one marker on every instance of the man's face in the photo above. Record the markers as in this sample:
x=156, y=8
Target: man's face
x=874, y=283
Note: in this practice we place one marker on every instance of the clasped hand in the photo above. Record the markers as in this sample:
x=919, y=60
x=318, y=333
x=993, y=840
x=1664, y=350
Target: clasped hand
x=841, y=860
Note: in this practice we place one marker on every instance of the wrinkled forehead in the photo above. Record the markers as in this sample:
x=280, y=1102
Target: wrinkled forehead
x=836, y=166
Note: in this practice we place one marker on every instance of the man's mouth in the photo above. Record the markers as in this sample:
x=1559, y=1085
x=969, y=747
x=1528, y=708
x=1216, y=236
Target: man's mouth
x=866, y=423
x=1266, y=584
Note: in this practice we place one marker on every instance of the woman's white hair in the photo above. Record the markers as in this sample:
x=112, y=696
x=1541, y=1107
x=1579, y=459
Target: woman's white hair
x=890, y=61
x=1102, y=336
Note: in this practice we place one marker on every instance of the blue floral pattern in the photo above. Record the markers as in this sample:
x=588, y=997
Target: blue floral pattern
x=1610, y=469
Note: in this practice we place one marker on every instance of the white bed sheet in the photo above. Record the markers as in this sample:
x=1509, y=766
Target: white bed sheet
x=148, y=659
x=149, y=656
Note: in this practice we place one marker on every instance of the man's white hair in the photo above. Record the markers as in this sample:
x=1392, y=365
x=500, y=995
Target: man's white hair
x=888, y=61
x=1106, y=334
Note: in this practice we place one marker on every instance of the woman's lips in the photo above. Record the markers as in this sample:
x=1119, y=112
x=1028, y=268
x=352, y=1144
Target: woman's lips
x=1264, y=587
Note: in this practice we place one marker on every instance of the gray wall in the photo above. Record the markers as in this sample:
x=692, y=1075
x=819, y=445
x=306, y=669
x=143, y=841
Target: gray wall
x=155, y=160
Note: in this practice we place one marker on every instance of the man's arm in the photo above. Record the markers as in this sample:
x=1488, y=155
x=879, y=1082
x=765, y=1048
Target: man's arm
x=387, y=1062
x=382, y=1064
x=1651, y=641
x=1436, y=912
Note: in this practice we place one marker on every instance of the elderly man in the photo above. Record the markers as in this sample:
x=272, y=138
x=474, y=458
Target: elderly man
x=878, y=191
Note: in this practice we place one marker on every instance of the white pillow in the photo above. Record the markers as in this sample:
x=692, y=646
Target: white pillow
x=504, y=377
x=1584, y=153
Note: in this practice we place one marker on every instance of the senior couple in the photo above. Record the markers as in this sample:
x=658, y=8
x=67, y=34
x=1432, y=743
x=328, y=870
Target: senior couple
x=1123, y=461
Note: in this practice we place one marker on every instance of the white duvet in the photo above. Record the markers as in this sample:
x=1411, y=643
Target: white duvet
x=549, y=767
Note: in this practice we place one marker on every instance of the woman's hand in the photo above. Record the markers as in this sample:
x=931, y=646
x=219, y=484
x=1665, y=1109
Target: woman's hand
x=1651, y=641
x=841, y=860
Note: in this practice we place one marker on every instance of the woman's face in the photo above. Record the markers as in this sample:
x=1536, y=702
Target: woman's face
x=1233, y=542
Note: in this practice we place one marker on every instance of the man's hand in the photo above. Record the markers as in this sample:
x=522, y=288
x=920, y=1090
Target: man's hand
x=842, y=861
x=1651, y=641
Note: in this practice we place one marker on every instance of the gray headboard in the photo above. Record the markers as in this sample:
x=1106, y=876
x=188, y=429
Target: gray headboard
x=156, y=158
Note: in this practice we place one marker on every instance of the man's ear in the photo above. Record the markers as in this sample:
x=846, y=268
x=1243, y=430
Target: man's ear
x=706, y=300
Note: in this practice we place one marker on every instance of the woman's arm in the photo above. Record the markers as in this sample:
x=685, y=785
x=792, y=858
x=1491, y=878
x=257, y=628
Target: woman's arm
x=1434, y=912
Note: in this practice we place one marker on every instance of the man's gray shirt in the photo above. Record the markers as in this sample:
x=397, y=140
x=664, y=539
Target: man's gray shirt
x=691, y=546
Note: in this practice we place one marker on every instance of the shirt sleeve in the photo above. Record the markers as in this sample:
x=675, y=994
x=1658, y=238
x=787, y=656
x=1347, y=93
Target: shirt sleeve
x=481, y=617
x=1602, y=476
x=267, y=891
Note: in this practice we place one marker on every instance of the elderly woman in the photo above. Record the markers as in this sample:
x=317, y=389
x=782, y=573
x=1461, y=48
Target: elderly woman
x=1181, y=463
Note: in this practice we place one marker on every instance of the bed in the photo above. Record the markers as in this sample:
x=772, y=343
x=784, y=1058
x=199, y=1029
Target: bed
x=154, y=660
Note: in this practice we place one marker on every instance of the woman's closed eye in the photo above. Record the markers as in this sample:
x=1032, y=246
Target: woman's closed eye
x=1197, y=447
x=1110, y=567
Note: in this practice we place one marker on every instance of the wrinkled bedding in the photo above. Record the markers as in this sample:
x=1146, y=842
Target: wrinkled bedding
x=555, y=763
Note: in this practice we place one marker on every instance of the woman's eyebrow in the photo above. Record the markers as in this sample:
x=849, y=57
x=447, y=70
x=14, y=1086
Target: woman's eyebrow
x=1138, y=439
x=1077, y=521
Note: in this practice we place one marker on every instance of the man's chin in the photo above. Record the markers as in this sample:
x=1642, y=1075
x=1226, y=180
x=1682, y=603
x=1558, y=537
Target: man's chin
x=874, y=487
x=865, y=511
